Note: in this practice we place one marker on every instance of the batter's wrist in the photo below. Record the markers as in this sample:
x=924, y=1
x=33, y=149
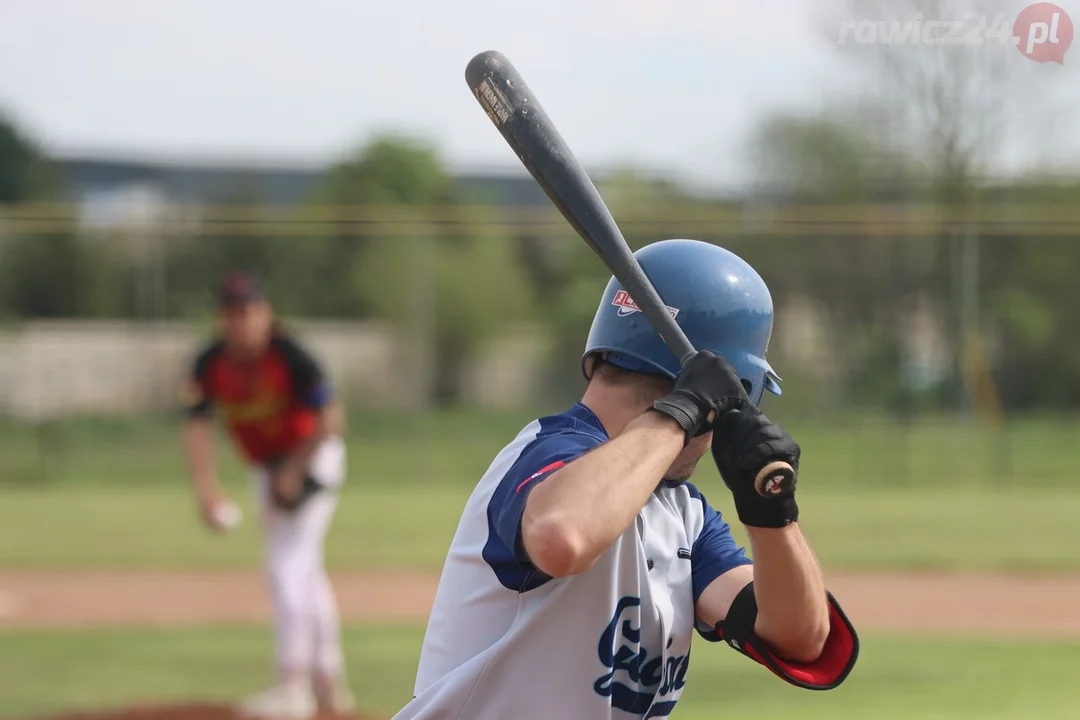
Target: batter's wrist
x=662, y=424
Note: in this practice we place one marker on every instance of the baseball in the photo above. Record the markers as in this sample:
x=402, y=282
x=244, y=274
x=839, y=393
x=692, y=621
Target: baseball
x=227, y=515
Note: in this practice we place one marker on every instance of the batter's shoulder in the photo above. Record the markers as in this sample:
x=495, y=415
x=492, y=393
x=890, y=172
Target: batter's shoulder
x=579, y=422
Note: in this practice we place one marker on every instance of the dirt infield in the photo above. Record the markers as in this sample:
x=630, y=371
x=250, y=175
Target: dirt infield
x=152, y=712
x=1027, y=607
x=887, y=602
x=182, y=712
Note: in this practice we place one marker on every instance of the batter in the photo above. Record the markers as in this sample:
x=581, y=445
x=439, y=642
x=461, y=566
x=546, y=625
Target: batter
x=585, y=560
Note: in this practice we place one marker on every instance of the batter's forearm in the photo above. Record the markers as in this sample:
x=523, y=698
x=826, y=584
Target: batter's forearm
x=576, y=514
x=793, y=612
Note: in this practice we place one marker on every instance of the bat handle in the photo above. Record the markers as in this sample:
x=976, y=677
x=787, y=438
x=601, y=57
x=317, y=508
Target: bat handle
x=775, y=478
x=687, y=357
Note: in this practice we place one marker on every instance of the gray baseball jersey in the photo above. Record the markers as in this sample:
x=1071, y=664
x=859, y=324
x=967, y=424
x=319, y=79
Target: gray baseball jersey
x=504, y=640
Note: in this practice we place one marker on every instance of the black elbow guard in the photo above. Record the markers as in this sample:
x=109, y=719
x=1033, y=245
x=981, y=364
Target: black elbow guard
x=827, y=672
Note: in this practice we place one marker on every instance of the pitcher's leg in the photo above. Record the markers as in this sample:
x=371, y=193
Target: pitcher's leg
x=330, y=681
x=290, y=567
x=290, y=570
x=331, y=686
x=329, y=657
x=326, y=661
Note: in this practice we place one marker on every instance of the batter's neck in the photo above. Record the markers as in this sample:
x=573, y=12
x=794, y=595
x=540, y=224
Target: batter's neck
x=615, y=406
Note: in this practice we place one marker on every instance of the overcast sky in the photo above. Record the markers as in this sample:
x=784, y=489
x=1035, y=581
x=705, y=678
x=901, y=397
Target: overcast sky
x=666, y=84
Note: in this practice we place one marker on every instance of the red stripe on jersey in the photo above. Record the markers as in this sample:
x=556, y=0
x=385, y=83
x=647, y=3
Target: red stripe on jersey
x=553, y=466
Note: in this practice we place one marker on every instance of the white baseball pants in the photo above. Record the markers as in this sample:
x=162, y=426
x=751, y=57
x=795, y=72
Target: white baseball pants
x=306, y=624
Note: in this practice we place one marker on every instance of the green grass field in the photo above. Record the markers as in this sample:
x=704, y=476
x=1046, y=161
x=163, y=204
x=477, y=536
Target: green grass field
x=895, y=679
x=453, y=448
x=410, y=527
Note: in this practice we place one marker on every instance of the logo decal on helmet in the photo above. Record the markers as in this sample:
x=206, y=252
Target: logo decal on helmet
x=627, y=306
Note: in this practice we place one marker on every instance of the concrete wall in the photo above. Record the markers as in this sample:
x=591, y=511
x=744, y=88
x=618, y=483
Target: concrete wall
x=51, y=370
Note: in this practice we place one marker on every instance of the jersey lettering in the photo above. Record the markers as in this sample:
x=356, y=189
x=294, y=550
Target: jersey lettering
x=649, y=675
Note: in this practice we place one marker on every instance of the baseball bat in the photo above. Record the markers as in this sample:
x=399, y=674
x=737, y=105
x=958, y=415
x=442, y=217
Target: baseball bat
x=521, y=120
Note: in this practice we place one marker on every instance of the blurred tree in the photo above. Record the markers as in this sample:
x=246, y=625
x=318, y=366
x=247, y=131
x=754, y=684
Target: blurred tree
x=835, y=158
x=450, y=285
x=382, y=177
x=864, y=285
x=1028, y=292
x=943, y=102
x=450, y=294
x=54, y=274
x=925, y=122
x=922, y=123
x=390, y=170
x=61, y=276
x=636, y=198
x=286, y=262
x=946, y=103
x=23, y=170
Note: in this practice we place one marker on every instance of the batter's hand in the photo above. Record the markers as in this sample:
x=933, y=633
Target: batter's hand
x=704, y=389
x=744, y=442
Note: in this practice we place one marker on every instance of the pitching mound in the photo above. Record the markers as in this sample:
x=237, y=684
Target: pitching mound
x=183, y=712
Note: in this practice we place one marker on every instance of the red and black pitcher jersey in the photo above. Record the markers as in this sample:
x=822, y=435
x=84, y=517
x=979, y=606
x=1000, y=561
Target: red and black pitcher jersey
x=270, y=405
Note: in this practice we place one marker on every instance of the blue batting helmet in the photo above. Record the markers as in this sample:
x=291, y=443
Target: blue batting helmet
x=719, y=301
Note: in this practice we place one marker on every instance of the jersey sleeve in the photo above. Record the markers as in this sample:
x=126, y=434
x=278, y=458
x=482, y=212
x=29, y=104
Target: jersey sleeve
x=198, y=399
x=505, y=551
x=311, y=387
x=715, y=551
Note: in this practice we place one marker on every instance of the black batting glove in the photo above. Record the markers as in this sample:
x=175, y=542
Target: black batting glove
x=744, y=443
x=706, y=387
